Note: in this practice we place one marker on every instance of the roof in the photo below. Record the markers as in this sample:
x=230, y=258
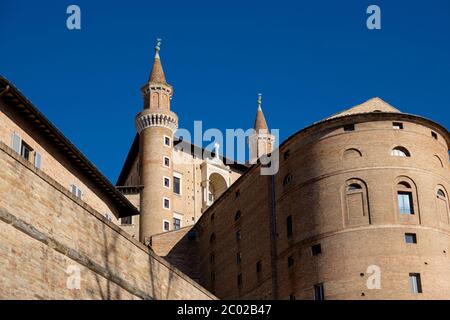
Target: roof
x=157, y=73
x=194, y=150
x=372, y=105
x=260, y=121
x=15, y=99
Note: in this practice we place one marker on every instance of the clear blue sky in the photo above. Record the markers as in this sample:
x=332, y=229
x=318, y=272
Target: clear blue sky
x=309, y=59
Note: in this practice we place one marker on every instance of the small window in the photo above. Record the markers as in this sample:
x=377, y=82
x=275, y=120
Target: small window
x=410, y=238
x=237, y=194
x=400, y=152
x=126, y=220
x=176, y=223
x=237, y=216
x=166, y=203
x=238, y=235
x=441, y=193
x=25, y=151
x=239, y=280
x=258, y=266
x=177, y=185
x=166, y=182
x=287, y=179
x=166, y=161
x=316, y=249
x=167, y=141
x=212, y=217
x=319, y=293
x=289, y=226
x=292, y=297
x=75, y=191
x=434, y=135
x=286, y=154
x=212, y=238
x=212, y=258
x=238, y=258
x=290, y=261
x=415, y=283
x=405, y=202
x=397, y=125
x=349, y=127
x=166, y=225
x=213, y=276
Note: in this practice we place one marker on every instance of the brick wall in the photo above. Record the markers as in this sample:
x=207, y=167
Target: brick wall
x=46, y=234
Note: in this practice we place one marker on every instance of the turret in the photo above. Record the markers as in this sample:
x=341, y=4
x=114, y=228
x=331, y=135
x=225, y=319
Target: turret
x=261, y=141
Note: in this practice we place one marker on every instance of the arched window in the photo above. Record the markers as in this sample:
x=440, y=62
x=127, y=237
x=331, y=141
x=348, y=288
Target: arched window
x=400, y=152
x=441, y=193
x=287, y=179
x=356, y=203
x=438, y=161
x=352, y=154
x=442, y=205
x=237, y=216
x=405, y=198
x=212, y=238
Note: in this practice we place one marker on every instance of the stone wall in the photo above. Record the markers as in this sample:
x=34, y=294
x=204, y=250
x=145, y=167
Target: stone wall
x=47, y=236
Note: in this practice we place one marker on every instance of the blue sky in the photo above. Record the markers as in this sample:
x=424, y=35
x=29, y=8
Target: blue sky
x=309, y=59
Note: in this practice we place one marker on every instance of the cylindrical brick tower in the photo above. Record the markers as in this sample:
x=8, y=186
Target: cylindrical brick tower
x=156, y=125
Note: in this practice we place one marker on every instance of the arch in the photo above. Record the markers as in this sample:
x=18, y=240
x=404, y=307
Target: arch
x=217, y=185
x=352, y=153
x=356, y=203
x=438, y=161
x=442, y=204
x=404, y=184
x=400, y=152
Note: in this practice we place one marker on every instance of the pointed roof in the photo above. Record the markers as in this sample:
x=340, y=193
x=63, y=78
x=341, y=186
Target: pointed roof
x=260, y=121
x=157, y=74
x=372, y=105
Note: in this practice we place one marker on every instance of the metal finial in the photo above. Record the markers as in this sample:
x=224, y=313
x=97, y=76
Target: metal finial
x=259, y=100
x=158, y=44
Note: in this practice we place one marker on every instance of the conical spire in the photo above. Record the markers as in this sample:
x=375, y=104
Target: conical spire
x=157, y=74
x=260, y=121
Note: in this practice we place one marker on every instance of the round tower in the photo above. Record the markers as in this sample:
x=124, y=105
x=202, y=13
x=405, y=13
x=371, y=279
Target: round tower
x=156, y=125
x=261, y=141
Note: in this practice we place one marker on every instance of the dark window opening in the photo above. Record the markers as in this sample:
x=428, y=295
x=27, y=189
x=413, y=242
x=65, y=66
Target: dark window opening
x=25, y=151
x=415, y=283
x=289, y=226
x=319, y=293
x=238, y=235
x=237, y=216
x=434, y=135
x=176, y=223
x=397, y=125
x=349, y=127
x=316, y=249
x=259, y=266
x=238, y=258
x=126, y=220
x=290, y=261
x=286, y=154
x=287, y=179
x=410, y=238
x=239, y=280
x=176, y=185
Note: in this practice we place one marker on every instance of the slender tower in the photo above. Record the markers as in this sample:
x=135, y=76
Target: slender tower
x=156, y=125
x=261, y=141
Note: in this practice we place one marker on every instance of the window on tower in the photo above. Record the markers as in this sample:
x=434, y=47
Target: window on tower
x=166, y=161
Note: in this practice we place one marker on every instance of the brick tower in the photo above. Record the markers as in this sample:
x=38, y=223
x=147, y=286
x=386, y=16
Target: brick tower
x=156, y=125
x=261, y=141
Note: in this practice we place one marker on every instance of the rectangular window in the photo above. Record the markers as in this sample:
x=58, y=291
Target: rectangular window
x=166, y=162
x=176, y=223
x=415, y=283
x=319, y=292
x=166, y=225
x=25, y=151
x=292, y=297
x=166, y=182
x=238, y=235
x=349, y=127
x=166, y=203
x=434, y=135
x=405, y=202
x=16, y=142
x=176, y=185
x=410, y=238
x=238, y=258
x=213, y=276
x=126, y=220
x=239, y=280
x=37, y=160
x=397, y=125
x=289, y=226
x=166, y=141
x=290, y=261
x=258, y=266
x=316, y=249
x=75, y=191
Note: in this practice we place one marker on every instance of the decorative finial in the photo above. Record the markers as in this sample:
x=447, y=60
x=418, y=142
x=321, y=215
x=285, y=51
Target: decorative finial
x=259, y=101
x=158, y=44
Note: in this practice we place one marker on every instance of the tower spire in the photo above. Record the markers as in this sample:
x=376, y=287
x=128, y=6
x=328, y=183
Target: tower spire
x=157, y=74
x=260, y=121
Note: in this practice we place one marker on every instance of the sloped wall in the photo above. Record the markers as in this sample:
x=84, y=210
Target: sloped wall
x=54, y=246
